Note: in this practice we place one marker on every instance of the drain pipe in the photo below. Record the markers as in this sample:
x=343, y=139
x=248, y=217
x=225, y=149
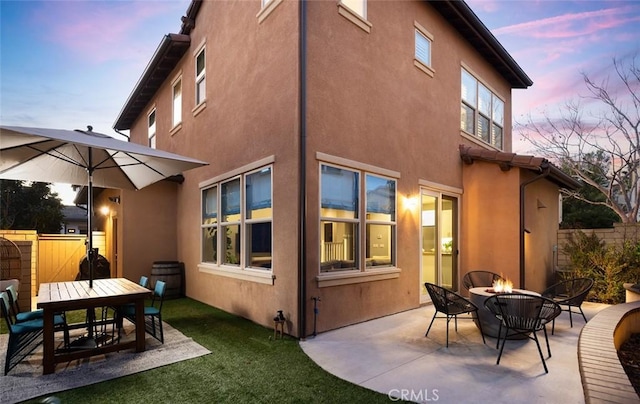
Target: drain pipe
x=545, y=173
x=302, y=175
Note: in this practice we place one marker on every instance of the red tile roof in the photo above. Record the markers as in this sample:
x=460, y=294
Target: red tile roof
x=506, y=160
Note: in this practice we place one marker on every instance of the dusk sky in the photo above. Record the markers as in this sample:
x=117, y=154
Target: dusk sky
x=69, y=64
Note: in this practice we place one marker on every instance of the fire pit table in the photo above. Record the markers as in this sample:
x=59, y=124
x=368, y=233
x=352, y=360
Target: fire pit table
x=490, y=324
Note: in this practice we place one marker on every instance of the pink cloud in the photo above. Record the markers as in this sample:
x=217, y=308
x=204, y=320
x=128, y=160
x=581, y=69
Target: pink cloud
x=572, y=25
x=100, y=31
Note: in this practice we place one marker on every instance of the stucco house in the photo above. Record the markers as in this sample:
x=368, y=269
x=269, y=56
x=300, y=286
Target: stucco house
x=357, y=149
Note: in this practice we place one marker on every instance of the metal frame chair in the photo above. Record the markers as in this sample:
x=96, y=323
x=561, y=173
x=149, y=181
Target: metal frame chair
x=474, y=279
x=523, y=314
x=569, y=293
x=152, y=313
x=24, y=337
x=59, y=320
x=451, y=304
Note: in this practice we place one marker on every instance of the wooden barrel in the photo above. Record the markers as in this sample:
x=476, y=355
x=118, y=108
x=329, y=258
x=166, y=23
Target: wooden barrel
x=172, y=273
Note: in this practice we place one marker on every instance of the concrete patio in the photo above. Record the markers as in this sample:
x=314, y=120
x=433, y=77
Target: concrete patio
x=391, y=355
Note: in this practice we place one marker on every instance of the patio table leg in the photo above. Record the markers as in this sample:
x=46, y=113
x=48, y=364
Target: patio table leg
x=140, y=328
x=48, y=360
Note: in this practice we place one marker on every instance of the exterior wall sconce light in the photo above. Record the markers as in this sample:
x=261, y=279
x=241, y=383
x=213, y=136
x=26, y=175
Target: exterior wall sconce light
x=409, y=202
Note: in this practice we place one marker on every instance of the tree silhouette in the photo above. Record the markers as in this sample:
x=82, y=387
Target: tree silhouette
x=29, y=206
x=580, y=141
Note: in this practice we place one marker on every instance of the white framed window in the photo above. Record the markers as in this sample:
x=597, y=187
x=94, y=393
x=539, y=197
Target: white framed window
x=351, y=232
x=237, y=221
x=357, y=6
x=177, y=102
x=356, y=12
x=481, y=111
x=151, y=128
x=201, y=82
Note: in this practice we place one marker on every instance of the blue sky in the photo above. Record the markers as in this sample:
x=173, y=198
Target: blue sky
x=69, y=64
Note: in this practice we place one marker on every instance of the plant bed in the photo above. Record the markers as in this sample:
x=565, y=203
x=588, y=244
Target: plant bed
x=629, y=354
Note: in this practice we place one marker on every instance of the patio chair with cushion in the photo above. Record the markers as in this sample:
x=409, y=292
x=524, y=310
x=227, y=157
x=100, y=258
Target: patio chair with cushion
x=450, y=304
x=59, y=320
x=152, y=313
x=523, y=314
x=24, y=337
x=476, y=279
x=568, y=294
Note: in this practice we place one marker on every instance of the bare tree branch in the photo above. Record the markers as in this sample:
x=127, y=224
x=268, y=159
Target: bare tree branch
x=573, y=137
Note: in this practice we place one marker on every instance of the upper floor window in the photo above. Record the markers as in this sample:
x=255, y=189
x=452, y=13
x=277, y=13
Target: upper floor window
x=177, y=102
x=357, y=6
x=236, y=221
x=423, y=48
x=423, y=42
x=356, y=12
x=200, y=77
x=481, y=111
x=342, y=238
x=151, y=125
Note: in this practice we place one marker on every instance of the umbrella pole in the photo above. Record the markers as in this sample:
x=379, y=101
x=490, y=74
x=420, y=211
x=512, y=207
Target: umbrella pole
x=90, y=218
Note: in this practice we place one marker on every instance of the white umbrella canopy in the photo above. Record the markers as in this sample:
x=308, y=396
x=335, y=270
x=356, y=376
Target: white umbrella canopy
x=68, y=156
x=84, y=157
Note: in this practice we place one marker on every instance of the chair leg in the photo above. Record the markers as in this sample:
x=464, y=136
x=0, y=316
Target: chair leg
x=582, y=312
x=535, y=337
x=553, y=326
x=480, y=328
x=502, y=347
x=428, y=329
x=448, y=319
x=570, y=317
x=546, y=338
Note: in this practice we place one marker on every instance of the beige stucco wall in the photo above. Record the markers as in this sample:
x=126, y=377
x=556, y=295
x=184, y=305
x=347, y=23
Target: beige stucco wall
x=369, y=103
x=490, y=221
x=541, y=220
x=251, y=114
x=366, y=103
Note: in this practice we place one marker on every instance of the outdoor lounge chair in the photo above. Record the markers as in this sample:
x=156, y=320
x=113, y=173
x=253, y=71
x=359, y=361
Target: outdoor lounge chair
x=24, y=337
x=476, y=279
x=523, y=314
x=451, y=304
x=152, y=313
x=569, y=293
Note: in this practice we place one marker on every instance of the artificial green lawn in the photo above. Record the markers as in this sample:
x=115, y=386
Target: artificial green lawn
x=245, y=365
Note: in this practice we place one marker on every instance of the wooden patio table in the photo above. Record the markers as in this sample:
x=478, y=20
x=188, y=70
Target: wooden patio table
x=64, y=296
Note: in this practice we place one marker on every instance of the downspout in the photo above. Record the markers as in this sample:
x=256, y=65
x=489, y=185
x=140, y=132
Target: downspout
x=545, y=173
x=302, y=175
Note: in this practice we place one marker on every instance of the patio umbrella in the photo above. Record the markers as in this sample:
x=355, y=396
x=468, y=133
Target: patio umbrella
x=84, y=157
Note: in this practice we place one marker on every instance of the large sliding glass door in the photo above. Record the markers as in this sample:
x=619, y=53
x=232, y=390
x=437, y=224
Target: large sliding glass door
x=439, y=225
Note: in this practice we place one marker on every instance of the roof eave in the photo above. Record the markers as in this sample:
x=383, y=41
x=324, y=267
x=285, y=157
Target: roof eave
x=166, y=57
x=460, y=15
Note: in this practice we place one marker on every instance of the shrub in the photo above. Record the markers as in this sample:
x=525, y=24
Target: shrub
x=610, y=266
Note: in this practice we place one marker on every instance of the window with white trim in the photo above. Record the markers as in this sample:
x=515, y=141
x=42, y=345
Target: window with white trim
x=201, y=95
x=342, y=217
x=151, y=125
x=357, y=6
x=177, y=102
x=240, y=209
x=481, y=111
x=423, y=47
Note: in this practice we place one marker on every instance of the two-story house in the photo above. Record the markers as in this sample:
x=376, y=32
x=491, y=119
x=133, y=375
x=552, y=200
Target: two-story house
x=357, y=150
